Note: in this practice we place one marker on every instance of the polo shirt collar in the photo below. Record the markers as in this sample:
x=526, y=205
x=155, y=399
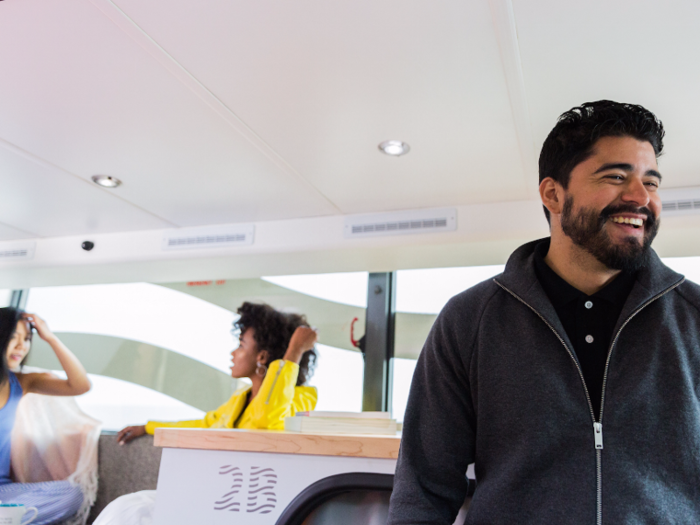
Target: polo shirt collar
x=519, y=279
x=561, y=293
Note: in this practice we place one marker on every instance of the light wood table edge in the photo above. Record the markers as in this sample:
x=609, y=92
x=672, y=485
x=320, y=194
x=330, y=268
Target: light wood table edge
x=361, y=446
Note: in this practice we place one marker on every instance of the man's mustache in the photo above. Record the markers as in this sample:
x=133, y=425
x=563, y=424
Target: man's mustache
x=615, y=209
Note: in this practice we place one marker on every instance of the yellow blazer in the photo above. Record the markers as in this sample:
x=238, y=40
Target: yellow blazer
x=279, y=397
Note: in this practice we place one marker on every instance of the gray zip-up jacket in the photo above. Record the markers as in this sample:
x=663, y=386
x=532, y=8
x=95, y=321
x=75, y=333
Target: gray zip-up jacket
x=498, y=384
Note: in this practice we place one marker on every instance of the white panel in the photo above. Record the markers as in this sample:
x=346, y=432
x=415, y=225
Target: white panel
x=486, y=234
x=80, y=93
x=202, y=477
x=49, y=202
x=325, y=82
x=642, y=52
x=8, y=233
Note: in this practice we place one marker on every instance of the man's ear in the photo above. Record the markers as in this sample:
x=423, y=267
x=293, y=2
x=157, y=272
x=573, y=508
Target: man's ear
x=552, y=195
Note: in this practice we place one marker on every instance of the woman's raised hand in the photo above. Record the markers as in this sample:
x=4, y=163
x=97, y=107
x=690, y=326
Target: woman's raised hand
x=127, y=434
x=303, y=339
x=39, y=325
x=76, y=382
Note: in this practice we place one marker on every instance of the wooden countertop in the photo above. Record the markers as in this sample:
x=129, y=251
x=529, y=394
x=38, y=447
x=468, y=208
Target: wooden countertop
x=360, y=446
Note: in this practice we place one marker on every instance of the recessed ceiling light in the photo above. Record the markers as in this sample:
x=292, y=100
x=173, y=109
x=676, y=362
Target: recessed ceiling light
x=106, y=181
x=394, y=147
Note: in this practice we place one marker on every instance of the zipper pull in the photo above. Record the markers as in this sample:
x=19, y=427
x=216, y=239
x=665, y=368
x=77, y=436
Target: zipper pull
x=598, y=435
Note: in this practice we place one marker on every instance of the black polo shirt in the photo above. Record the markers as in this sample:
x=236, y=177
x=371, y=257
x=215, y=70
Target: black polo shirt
x=589, y=320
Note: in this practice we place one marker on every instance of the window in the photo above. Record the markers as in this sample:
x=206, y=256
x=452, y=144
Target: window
x=162, y=351
x=5, y=297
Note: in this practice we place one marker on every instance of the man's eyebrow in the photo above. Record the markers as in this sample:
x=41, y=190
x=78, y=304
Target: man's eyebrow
x=654, y=173
x=614, y=166
x=625, y=167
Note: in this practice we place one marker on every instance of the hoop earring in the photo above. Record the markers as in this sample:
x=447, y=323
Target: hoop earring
x=261, y=369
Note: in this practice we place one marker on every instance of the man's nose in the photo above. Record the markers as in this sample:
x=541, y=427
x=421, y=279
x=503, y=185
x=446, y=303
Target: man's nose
x=636, y=192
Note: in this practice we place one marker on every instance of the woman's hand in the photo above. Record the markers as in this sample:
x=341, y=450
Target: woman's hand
x=40, y=326
x=76, y=382
x=127, y=434
x=303, y=339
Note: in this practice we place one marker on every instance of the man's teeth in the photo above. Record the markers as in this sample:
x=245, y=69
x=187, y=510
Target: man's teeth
x=627, y=220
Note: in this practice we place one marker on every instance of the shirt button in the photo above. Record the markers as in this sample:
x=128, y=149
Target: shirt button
x=589, y=338
x=588, y=304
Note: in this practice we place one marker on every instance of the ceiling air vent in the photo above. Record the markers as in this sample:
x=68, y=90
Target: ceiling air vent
x=16, y=252
x=399, y=223
x=680, y=205
x=219, y=237
x=680, y=201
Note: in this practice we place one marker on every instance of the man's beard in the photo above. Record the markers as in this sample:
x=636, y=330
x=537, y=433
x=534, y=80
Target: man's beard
x=587, y=230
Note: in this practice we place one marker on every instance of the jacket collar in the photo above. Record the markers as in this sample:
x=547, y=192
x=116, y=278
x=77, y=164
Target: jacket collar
x=520, y=279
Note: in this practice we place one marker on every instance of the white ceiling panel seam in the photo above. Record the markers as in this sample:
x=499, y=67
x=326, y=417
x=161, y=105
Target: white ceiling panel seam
x=84, y=96
x=319, y=83
x=9, y=232
x=52, y=167
x=507, y=36
x=126, y=24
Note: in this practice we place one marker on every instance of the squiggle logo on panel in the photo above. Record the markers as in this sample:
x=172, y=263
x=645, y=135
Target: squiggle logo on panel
x=260, y=495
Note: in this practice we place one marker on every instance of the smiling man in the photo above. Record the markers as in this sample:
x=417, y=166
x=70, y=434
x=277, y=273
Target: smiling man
x=570, y=379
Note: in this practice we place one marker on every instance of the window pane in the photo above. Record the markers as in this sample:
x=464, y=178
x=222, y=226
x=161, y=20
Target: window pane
x=427, y=291
x=345, y=288
x=167, y=346
x=141, y=312
x=120, y=403
x=402, y=374
x=688, y=266
x=5, y=297
x=338, y=378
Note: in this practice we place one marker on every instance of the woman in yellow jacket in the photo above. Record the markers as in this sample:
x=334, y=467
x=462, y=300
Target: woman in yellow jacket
x=276, y=353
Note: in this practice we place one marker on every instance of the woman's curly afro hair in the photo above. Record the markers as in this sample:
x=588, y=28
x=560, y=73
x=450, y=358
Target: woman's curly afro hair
x=273, y=331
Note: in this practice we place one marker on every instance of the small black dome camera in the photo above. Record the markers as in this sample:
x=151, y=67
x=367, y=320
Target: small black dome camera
x=87, y=245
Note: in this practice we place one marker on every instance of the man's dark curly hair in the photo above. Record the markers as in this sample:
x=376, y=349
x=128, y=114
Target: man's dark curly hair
x=577, y=130
x=273, y=331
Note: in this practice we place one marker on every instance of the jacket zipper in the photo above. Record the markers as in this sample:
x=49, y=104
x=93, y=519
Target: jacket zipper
x=597, y=425
x=274, y=382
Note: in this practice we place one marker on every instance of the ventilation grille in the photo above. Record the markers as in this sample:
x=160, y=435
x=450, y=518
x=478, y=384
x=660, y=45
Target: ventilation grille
x=681, y=205
x=209, y=238
x=11, y=253
x=680, y=201
x=420, y=221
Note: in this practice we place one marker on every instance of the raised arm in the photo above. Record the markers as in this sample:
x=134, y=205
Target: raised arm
x=76, y=381
x=276, y=398
x=303, y=339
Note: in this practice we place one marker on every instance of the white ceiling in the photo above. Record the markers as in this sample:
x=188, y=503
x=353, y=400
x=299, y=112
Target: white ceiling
x=223, y=111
